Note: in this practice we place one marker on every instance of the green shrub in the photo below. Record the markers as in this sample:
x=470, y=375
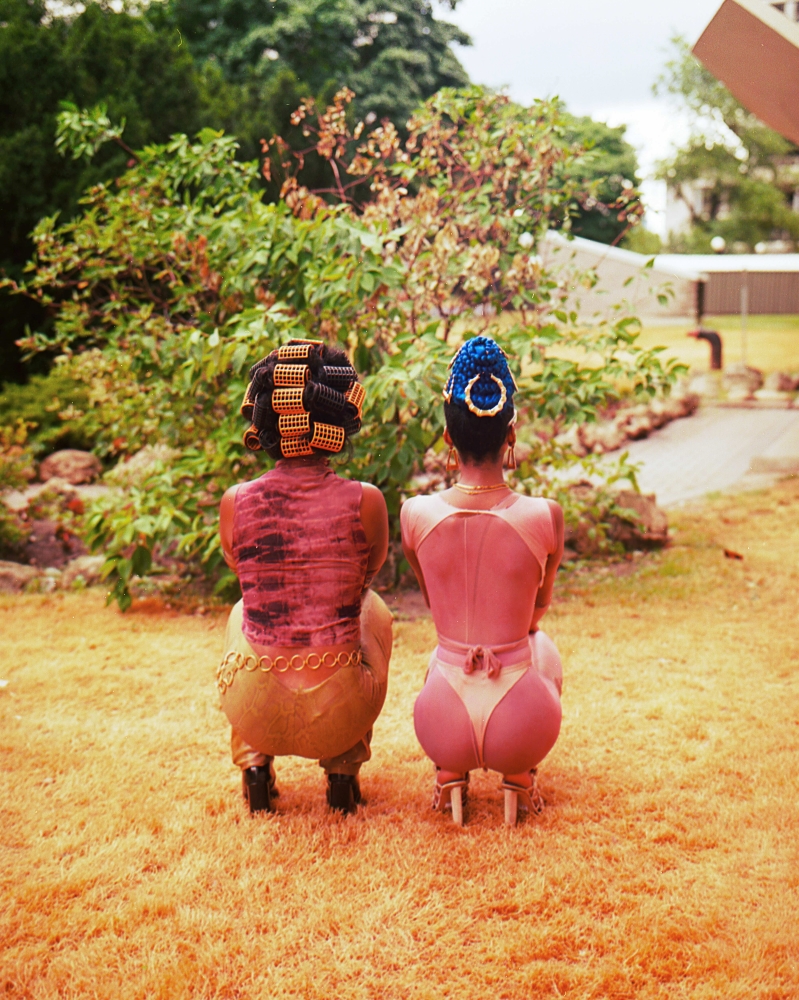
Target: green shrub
x=176, y=278
x=53, y=406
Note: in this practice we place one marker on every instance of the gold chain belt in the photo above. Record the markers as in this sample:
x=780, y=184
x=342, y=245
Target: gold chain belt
x=235, y=661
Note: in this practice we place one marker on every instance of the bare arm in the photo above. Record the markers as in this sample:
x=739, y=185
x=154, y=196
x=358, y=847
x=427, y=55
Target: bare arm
x=410, y=555
x=544, y=596
x=226, y=510
x=374, y=518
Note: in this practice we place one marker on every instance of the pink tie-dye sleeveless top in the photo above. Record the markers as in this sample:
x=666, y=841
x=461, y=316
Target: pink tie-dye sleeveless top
x=301, y=556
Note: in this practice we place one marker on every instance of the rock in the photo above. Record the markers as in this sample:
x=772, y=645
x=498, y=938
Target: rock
x=19, y=500
x=571, y=440
x=50, y=545
x=56, y=484
x=14, y=577
x=740, y=381
x=138, y=467
x=636, y=422
x=49, y=580
x=647, y=525
x=70, y=464
x=659, y=413
x=683, y=405
x=779, y=382
x=16, y=501
x=675, y=407
x=773, y=396
x=707, y=385
x=85, y=569
x=599, y=438
x=92, y=492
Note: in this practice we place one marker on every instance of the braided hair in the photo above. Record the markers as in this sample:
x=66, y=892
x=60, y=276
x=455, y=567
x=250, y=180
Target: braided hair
x=478, y=399
x=302, y=399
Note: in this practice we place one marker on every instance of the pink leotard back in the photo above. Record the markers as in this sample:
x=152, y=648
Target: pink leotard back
x=301, y=556
x=482, y=569
x=491, y=696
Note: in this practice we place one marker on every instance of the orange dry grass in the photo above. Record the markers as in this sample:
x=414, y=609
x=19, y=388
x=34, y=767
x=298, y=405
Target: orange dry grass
x=665, y=865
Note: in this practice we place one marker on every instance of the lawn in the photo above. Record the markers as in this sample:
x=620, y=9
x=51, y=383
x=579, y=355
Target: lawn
x=772, y=342
x=666, y=864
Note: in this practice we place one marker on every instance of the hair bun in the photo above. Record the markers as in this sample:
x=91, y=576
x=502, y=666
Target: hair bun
x=480, y=378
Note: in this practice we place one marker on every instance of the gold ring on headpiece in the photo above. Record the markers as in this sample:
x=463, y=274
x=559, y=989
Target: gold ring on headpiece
x=503, y=397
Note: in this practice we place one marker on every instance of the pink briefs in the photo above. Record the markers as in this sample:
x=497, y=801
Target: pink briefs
x=496, y=707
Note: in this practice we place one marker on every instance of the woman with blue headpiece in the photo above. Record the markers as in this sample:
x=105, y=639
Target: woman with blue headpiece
x=486, y=560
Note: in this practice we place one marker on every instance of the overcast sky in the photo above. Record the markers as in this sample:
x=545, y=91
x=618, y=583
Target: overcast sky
x=600, y=56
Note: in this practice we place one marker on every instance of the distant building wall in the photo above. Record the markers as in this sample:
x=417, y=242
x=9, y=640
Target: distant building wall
x=769, y=292
x=623, y=277
x=772, y=280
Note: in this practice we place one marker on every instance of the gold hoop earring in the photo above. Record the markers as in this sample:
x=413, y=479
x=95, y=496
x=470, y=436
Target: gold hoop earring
x=452, y=460
x=512, y=457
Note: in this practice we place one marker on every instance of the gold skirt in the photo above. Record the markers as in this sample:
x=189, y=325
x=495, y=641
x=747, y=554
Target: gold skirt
x=315, y=722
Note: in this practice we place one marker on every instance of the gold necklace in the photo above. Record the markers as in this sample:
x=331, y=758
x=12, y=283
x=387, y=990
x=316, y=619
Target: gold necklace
x=466, y=488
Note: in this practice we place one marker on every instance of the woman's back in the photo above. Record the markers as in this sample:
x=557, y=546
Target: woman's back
x=301, y=556
x=482, y=568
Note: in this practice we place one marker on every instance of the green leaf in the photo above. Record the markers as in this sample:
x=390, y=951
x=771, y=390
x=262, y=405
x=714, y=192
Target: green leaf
x=141, y=561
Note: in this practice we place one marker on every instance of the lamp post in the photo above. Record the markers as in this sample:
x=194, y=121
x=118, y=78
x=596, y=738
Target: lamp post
x=744, y=312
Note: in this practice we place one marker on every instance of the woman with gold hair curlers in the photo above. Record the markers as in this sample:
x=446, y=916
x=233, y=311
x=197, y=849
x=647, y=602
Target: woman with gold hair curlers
x=307, y=648
x=486, y=560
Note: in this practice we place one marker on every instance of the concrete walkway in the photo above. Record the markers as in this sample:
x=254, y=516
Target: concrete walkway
x=716, y=449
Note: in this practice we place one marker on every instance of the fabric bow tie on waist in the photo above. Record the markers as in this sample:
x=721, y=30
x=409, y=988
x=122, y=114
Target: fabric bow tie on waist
x=482, y=657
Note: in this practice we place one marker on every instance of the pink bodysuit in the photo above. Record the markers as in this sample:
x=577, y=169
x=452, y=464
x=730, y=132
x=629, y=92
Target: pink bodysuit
x=492, y=694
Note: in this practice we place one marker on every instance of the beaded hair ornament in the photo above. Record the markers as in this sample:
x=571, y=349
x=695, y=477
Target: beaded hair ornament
x=480, y=378
x=301, y=404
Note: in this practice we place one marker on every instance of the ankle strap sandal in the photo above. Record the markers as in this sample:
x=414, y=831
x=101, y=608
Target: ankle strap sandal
x=451, y=795
x=527, y=798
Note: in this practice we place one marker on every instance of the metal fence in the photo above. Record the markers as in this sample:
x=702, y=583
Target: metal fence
x=768, y=292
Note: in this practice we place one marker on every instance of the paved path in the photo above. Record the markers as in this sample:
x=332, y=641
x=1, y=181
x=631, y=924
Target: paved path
x=715, y=450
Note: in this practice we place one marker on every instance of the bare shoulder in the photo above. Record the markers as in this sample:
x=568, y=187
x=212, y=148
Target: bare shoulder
x=415, y=506
x=372, y=497
x=536, y=506
x=543, y=513
x=557, y=512
x=230, y=493
x=409, y=502
x=229, y=496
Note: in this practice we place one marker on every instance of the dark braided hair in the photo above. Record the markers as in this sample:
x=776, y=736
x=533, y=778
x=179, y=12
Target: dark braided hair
x=323, y=397
x=478, y=399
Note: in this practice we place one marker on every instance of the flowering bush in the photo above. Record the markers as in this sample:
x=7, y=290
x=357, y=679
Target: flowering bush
x=178, y=276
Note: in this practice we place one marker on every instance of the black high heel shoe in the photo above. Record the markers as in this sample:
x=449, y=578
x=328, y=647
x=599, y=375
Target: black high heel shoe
x=259, y=788
x=343, y=792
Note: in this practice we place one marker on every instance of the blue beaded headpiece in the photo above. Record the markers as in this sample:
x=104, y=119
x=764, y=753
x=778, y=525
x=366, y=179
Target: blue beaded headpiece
x=480, y=378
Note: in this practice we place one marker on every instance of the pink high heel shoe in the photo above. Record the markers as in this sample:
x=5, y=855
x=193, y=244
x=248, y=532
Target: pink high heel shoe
x=526, y=798
x=451, y=795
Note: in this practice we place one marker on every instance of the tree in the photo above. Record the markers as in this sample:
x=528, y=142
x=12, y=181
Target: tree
x=736, y=176
x=612, y=165
x=392, y=53
x=142, y=69
x=176, y=277
x=145, y=77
